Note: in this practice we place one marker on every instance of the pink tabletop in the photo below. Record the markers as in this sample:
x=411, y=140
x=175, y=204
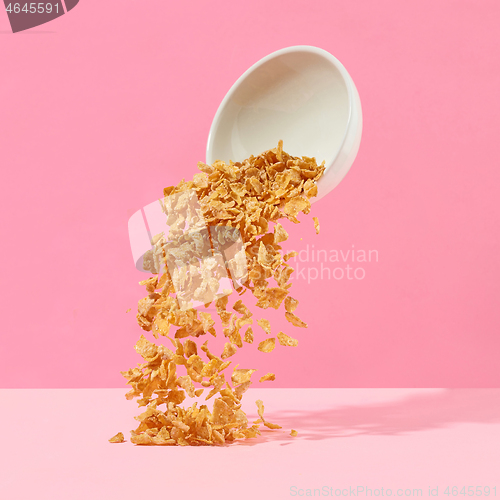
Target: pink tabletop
x=54, y=446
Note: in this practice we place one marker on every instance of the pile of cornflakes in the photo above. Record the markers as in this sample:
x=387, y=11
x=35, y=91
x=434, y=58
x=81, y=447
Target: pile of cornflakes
x=240, y=199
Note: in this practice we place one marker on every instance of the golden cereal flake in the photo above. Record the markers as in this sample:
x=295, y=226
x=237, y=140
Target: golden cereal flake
x=265, y=325
x=248, y=335
x=118, y=438
x=229, y=350
x=291, y=304
x=268, y=376
x=267, y=345
x=316, y=224
x=294, y=320
x=285, y=340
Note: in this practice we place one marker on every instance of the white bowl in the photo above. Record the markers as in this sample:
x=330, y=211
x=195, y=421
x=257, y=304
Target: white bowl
x=300, y=94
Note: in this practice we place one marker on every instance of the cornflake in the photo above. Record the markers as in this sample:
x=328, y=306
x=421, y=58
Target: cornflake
x=316, y=224
x=118, y=438
x=294, y=320
x=268, y=376
x=291, y=304
x=260, y=411
x=266, y=345
x=265, y=325
x=232, y=209
x=285, y=340
x=229, y=350
x=248, y=336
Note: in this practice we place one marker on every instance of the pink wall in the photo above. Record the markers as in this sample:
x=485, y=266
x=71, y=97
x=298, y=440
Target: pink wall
x=103, y=107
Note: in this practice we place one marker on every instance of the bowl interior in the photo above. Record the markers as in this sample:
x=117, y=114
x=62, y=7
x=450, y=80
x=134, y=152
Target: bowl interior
x=299, y=96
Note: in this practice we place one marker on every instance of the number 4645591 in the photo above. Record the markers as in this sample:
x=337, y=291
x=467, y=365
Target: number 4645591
x=32, y=8
x=471, y=491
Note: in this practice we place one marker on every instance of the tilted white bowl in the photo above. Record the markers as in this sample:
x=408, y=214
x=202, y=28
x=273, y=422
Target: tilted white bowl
x=300, y=94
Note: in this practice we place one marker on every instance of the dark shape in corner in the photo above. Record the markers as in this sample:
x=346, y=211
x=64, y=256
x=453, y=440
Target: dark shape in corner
x=70, y=4
x=35, y=14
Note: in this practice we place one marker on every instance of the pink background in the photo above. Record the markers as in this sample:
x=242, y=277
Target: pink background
x=103, y=107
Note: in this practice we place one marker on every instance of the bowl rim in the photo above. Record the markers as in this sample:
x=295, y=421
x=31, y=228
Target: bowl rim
x=294, y=48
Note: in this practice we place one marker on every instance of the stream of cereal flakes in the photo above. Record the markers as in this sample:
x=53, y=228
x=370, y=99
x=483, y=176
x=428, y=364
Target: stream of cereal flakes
x=224, y=204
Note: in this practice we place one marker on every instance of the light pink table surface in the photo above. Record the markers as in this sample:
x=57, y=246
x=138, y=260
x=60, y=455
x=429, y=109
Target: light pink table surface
x=54, y=446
